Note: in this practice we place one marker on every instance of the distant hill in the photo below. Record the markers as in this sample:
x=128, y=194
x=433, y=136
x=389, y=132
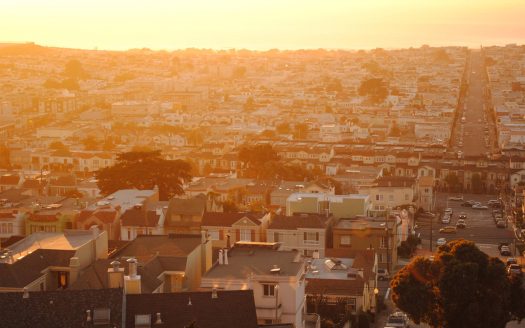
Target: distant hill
x=16, y=49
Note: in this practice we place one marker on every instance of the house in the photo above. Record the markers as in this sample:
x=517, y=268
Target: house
x=158, y=264
x=54, y=217
x=184, y=215
x=50, y=260
x=9, y=181
x=62, y=185
x=276, y=278
x=425, y=193
x=351, y=278
x=210, y=309
x=147, y=219
x=388, y=192
x=340, y=206
x=280, y=194
x=106, y=212
x=366, y=233
x=224, y=229
x=306, y=233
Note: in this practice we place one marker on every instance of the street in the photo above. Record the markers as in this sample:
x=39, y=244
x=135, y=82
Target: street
x=474, y=130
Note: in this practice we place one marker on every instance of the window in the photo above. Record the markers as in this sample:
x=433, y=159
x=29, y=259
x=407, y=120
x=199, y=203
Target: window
x=101, y=317
x=62, y=279
x=308, y=252
x=276, y=237
x=379, y=197
x=311, y=237
x=346, y=240
x=214, y=234
x=382, y=242
x=269, y=290
x=381, y=258
x=245, y=235
x=142, y=320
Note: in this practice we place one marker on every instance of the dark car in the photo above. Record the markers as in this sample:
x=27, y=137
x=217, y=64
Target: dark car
x=462, y=216
x=514, y=269
x=468, y=203
x=505, y=251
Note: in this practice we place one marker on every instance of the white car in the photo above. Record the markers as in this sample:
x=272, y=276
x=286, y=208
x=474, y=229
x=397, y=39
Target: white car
x=441, y=241
x=445, y=219
x=397, y=320
x=457, y=198
x=480, y=207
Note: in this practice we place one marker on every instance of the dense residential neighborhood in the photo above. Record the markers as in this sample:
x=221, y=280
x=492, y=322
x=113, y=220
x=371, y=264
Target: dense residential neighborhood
x=237, y=188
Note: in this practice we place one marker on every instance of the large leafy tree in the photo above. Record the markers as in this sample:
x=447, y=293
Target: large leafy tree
x=462, y=287
x=145, y=170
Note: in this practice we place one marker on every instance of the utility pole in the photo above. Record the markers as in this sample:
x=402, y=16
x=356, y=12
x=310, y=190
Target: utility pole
x=431, y=219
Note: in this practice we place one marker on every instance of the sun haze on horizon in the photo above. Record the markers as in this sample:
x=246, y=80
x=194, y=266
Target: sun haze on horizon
x=262, y=24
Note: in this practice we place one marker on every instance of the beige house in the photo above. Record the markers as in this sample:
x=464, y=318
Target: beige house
x=306, y=233
x=225, y=229
x=388, y=192
x=425, y=193
x=50, y=261
x=340, y=206
x=370, y=233
x=276, y=278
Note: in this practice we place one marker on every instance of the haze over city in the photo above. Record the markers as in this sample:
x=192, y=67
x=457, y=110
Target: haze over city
x=262, y=25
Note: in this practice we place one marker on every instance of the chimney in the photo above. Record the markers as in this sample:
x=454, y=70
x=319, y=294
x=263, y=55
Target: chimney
x=159, y=319
x=132, y=284
x=74, y=269
x=220, y=257
x=26, y=293
x=226, y=256
x=115, y=275
x=88, y=316
x=214, y=293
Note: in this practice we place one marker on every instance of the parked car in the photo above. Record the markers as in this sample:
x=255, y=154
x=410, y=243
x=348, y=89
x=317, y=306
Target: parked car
x=468, y=203
x=382, y=274
x=461, y=224
x=456, y=198
x=501, y=224
x=514, y=269
x=397, y=320
x=445, y=219
x=426, y=214
x=441, y=241
x=449, y=211
x=462, y=216
x=448, y=229
x=479, y=207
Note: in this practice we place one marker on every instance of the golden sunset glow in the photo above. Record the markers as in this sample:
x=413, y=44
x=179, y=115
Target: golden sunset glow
x=258, y=24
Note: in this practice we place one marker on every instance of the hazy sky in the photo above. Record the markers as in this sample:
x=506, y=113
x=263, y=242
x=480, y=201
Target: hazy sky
x=262, y=24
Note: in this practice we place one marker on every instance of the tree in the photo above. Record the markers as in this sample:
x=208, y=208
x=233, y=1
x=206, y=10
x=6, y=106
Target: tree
x=58, y=145
x=74, y=70
x=300, y=131
x=283, y=128
x=452, y=181
x=461, y=287
x=256, y=156
x=144, y=170
x=375, y=89
x=476, y=183
x=229, y=206
x=90, y=143
x=4, y=157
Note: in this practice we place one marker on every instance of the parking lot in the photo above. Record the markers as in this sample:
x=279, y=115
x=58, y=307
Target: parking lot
x=480, y=228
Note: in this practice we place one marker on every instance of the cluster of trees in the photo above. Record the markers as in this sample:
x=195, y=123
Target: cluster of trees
x=461, y=287
x=145, y=170
x=408, y=247
x=374, y=89
x=4, y=157
x=262, y=162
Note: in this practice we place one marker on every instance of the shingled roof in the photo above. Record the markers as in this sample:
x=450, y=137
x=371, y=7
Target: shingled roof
x=59, y=309
x=177, y=310
x=227, y=219
x=298, y=221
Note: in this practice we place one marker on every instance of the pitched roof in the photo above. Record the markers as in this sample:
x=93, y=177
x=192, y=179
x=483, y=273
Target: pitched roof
x=191, y=206
x=59, y=309
x=26, y=270
x=204, y=310
x=227, y=219
x=298, y=221
x=145, y=247
x=139, y=217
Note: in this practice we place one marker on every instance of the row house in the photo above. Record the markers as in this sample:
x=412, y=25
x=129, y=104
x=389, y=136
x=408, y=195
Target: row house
x=224, y=229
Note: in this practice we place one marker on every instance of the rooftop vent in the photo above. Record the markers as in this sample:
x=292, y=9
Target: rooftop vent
x=214, y=293
x=101, y=316
x=159, y=319
x=275, y=269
